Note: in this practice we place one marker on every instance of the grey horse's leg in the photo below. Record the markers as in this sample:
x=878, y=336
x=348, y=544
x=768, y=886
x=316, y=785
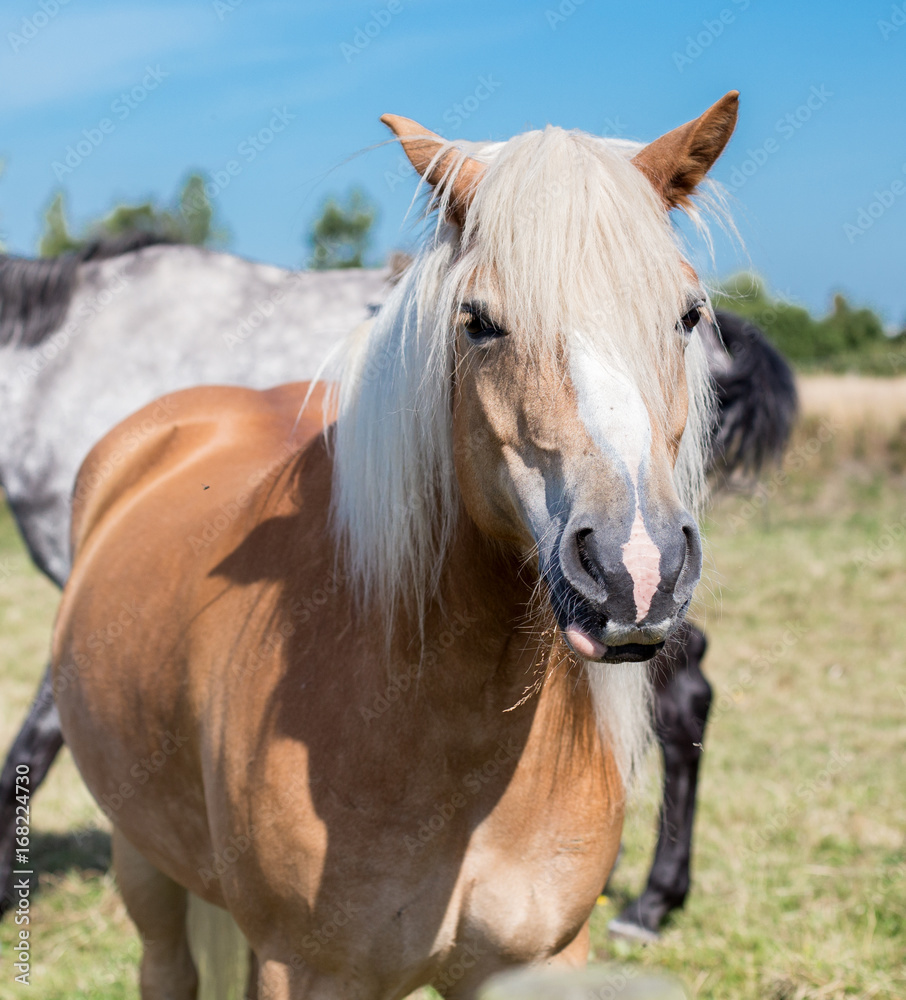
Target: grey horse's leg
x=37, y=745
x=682, y=701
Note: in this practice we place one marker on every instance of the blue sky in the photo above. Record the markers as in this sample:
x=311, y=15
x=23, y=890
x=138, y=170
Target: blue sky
x=819, y=197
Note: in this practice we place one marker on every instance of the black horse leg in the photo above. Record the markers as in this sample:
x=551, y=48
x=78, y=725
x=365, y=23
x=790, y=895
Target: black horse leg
x=37, y=744
x=682, y=700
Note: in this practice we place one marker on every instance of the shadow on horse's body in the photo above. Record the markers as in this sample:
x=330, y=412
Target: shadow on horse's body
x=519, y=439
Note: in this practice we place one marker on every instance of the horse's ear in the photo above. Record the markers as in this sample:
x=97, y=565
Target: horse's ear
x=677, y=162
x=422, y=147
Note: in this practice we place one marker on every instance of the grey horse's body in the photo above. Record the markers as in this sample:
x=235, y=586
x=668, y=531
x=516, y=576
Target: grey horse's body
x=137, y=326
x=87, y=339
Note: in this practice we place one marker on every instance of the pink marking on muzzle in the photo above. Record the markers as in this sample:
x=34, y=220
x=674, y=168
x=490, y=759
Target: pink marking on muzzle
x=642, y=558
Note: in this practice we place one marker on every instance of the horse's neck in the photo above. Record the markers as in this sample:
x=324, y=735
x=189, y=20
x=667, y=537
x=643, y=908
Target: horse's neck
x=488, y=640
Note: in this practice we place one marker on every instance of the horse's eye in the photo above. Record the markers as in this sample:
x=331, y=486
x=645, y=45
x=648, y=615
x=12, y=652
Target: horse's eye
x=690, y=320
x=478, y=327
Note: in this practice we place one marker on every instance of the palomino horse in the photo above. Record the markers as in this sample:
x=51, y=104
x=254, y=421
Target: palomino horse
x=501, y=513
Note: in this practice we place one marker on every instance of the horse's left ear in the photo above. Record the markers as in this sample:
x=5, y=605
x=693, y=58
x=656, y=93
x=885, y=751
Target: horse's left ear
x=422, y=147
x=677, y=162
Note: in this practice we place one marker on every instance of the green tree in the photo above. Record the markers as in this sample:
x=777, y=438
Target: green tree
x=189, y=220
x=849, y=329
x=845, y=333
x=341, y=235
x=57, y=238
x=197, y=214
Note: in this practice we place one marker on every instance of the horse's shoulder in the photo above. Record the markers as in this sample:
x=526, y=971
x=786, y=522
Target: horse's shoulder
x=173, y=431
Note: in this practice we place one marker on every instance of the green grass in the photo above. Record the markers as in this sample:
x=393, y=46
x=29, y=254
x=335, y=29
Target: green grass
x=800, y=860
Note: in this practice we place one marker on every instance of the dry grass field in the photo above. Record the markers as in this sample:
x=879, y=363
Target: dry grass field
x=800, y=861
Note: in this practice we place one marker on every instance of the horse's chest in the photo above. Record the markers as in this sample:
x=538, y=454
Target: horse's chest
x=499, y=891
x=476, y=855
x=482, y=878
x=527, y=896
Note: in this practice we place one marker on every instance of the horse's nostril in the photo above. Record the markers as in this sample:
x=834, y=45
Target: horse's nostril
x=690, y=535
x=585, y=558
x=689, y=569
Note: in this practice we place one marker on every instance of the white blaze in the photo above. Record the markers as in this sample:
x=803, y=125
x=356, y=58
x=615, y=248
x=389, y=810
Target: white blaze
x=616, y=418
x=642, y=558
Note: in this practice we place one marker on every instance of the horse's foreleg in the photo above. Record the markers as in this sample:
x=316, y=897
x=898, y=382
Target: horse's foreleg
x=37, y=744
x=157, y=906
x=682, y=700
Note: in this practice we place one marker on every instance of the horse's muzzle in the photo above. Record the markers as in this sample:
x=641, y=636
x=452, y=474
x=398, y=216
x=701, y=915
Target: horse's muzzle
x=618, y=603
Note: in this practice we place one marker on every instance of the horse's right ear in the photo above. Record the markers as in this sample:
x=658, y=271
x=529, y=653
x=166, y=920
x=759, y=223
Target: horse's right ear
x=422, y=147
x=677, y=162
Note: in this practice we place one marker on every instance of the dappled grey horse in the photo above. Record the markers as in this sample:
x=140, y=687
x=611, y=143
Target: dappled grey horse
x=89, y=338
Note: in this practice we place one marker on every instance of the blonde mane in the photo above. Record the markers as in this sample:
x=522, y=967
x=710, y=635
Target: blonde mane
x=581, y=252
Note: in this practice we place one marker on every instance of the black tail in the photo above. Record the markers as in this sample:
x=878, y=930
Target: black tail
x=35, y=294
x=757, y=401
